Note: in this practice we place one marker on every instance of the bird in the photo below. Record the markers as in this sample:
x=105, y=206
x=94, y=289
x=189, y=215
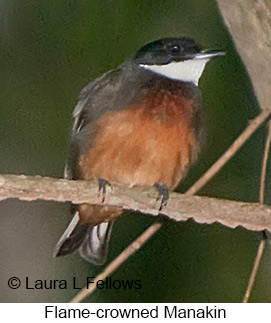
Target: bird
x=137, y=124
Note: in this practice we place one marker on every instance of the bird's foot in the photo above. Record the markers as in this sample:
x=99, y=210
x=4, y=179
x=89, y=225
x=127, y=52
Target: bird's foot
x=163, y=194
x=102, y=188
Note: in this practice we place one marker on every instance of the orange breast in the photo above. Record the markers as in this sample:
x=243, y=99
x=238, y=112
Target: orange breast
x=144, y=144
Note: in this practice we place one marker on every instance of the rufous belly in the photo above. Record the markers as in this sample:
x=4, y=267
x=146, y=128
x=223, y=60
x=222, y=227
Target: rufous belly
x=145, y=144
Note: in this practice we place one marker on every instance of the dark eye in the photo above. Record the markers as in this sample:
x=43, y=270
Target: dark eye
x=174, y=49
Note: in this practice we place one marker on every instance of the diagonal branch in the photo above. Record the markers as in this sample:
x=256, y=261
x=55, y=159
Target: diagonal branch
x=230, y=152
x=255, y=269
x=114, y=265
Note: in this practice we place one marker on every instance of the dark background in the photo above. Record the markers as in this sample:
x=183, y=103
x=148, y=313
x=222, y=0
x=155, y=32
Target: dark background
x=48, y=51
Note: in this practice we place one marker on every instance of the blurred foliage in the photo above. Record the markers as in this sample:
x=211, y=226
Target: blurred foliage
x=48, y=52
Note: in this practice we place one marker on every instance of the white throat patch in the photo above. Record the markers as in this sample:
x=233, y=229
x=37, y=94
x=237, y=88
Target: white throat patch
x=186, y=71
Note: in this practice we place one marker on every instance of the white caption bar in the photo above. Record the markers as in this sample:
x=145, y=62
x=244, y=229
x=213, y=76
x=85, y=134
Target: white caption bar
x=103, y=312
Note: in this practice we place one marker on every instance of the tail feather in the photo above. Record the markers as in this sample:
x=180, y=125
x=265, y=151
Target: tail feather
x=92, y=241
x=95, y=246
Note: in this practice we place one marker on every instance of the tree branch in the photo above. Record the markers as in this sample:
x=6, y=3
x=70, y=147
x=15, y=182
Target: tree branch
x=181, y=207
x=249, y=23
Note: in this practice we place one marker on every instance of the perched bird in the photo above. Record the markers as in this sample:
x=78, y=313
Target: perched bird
x=138, y=124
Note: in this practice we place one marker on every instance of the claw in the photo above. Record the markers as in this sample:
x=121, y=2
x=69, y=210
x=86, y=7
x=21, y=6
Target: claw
x=102, y=188
x=163, y=194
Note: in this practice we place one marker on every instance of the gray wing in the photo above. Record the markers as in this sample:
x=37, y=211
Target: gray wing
x=95, y=99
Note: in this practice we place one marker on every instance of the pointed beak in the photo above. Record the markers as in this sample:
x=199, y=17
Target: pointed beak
x=208, y=54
